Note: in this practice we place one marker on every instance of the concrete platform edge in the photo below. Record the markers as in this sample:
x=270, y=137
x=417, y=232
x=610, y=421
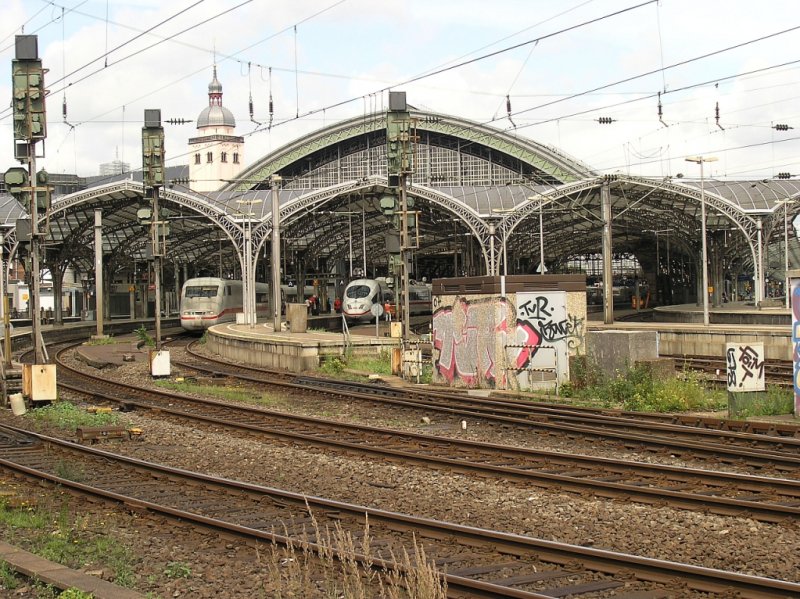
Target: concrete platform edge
x=48, y=572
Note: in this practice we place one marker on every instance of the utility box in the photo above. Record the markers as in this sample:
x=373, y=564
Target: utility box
x=396, y=329
x=159, y=363
x=297, y=315
x=39, y=382
x=412, y=363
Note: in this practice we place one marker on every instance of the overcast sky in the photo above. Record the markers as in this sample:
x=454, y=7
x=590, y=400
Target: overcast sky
x=334, y=59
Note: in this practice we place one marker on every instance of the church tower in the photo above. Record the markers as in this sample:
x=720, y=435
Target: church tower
x=216, y=154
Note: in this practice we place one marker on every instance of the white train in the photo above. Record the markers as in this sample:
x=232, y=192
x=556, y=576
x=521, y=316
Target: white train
x=207, y=301
x=361, y=294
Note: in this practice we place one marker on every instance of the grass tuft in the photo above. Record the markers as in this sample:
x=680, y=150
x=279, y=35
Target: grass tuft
x=639, y=390
x=242, y=395
x=64, y=415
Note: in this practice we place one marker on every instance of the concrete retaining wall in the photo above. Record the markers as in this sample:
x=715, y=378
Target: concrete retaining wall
x=777, y=345
x=296, y=353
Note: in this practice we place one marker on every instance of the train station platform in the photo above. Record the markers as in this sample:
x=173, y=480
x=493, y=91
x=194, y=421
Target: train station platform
x=679, y=329
x=259, y=345
x=771, y=312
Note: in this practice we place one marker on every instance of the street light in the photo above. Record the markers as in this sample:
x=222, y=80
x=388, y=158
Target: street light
x=541, y=233
x=702, y=160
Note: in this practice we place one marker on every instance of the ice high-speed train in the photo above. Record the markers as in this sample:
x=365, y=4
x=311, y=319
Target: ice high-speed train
x=207, y=301
x=361, y=294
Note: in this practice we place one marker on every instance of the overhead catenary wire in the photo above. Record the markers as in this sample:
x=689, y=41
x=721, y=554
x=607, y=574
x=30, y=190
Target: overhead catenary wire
x=473, y=60
x=324, y=108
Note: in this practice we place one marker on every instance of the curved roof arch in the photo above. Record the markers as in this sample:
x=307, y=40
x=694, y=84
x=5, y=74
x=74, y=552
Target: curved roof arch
x=531, y=158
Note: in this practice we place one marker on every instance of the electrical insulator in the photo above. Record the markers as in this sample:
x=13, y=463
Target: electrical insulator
x=178, y=121
x=782, y=127
x=784, y=175
x=605, y=120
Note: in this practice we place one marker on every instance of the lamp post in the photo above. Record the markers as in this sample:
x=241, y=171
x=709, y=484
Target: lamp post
x=702, y=160
x=541, y=233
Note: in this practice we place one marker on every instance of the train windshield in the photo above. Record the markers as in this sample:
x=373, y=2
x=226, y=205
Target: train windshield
x=357, y=291
x=202, y=291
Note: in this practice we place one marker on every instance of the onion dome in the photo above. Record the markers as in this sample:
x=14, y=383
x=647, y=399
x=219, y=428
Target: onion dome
x=215, y=114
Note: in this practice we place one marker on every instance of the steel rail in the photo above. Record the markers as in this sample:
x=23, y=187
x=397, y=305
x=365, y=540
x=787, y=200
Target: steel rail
x=763, y=498
x=782, y=436
x=562, y=425
x=509, y=560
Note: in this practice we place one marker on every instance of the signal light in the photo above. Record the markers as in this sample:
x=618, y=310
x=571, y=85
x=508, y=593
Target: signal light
x=16, y=179
x=30, y=121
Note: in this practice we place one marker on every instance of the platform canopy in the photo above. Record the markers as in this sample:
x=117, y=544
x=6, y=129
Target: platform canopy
x=476, y=190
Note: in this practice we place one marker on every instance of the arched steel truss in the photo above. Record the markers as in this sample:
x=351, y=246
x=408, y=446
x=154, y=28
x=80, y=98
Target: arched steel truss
x=544, y=158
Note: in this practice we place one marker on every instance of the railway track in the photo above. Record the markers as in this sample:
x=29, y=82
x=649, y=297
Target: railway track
x=764, y=498
x=777, y=372
x=726, y=440
x=477, y=562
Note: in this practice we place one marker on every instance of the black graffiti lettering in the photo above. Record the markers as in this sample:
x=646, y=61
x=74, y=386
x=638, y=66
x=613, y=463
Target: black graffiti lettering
x=562, y=329
x=748, y=358
x=731, y=359
x=537, y=310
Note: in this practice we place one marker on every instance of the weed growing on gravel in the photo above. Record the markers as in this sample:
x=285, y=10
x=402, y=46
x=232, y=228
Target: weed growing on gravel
x=142, y=335
x=70, y=471
x=8, y=577
x=64, y=415
x=177, y=570
x=248, y=396
x=335, y=366
x=332, y=366
x=59, y=537
x=102, y=341
x=773, y=402
x=338, y=565
x=75, y=594
x=639, y=390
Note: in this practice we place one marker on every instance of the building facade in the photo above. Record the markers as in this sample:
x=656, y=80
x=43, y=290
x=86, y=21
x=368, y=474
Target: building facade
x=215, y=154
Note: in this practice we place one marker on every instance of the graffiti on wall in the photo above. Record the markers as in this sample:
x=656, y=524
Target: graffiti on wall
x=560, y=333
x=550, y=318
x=491, y=342
x=795, y=288
x=465, y=339
x=745, y=366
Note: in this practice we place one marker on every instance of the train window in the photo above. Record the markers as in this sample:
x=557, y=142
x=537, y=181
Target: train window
x=357, y=291
x=202, y=291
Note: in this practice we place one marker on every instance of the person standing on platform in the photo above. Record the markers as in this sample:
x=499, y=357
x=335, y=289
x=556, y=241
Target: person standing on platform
x=337, y=305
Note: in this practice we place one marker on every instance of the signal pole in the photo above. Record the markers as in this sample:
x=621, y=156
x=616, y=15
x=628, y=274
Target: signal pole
x=153, y=178
x=30, y=126
x=400, y=164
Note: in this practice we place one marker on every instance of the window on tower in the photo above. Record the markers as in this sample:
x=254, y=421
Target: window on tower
x=209, y=156
x=197, y=158
x=223, y=157
x=236, y=158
